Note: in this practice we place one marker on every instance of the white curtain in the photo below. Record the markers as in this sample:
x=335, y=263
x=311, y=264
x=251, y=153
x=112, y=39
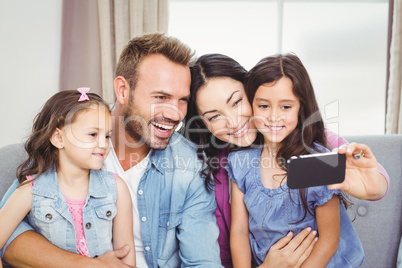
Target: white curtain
x=119, y=22
x=394, y=100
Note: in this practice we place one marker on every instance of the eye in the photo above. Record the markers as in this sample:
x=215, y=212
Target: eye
x=107, y=136
x=93, y=134
x=161, y=97
x=237, y=102
x=185, y=100
x=285, y=107
x=263, y=106
x=213, y=117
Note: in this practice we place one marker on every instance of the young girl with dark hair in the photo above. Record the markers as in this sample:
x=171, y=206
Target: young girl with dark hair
x=219, y=120
x=63, y=192
x=264, y=209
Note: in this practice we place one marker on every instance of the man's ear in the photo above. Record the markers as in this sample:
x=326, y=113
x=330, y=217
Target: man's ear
x=122, y=90
x=57, y=139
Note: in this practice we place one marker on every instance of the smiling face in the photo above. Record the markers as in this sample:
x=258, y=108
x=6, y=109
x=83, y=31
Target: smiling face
x=84, y=144
x=159, y=101
x=276, y=110
x=226, y=111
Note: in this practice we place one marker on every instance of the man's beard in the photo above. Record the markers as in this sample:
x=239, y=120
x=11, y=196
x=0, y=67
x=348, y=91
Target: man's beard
x=139, y=129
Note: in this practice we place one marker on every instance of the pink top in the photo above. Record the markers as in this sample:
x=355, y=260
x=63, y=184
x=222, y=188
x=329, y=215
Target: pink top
x=75, y=207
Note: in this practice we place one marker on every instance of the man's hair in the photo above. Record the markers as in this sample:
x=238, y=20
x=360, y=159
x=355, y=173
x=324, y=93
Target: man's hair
x=140, y=47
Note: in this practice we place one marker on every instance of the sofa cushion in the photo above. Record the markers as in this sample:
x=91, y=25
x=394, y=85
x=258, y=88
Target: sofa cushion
x=378, y=223
x=11, y=156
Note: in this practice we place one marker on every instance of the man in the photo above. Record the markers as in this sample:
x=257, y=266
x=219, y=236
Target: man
x=174, y=222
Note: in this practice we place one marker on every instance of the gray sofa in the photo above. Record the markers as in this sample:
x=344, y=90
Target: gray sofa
x=377, y=223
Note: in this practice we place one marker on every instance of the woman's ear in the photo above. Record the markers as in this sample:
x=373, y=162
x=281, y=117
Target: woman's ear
x=122, y=90
x=57, y=139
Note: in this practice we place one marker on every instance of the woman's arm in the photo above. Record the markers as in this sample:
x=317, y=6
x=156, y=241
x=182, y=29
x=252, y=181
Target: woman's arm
x=14, y=211
x=123, y=222
x=239, y=231
x=291, y=253
x=364, y=179
x=328, y=224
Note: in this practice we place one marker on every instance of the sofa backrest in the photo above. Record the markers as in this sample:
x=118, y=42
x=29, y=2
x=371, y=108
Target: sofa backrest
x=379, y=223
x=11, y=156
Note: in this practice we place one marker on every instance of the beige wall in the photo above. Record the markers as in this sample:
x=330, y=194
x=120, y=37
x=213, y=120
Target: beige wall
x=30, y=41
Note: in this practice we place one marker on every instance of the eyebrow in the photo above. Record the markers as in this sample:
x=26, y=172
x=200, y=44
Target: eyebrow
x=262, y=99
x=212, y=111
x=227, y=101
x=169, y=95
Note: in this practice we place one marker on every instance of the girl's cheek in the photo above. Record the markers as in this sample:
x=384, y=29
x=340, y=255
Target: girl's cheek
x=259, y=124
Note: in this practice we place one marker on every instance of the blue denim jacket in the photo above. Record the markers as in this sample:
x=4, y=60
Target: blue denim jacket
x=178, y=223
x=51, y=217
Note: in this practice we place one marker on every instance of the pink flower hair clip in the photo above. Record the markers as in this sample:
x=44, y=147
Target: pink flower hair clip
x=83, y=91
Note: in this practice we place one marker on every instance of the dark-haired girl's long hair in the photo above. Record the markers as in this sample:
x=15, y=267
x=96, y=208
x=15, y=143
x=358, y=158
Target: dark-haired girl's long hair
x=310, y=128
x=209, y=148
x=61, y=109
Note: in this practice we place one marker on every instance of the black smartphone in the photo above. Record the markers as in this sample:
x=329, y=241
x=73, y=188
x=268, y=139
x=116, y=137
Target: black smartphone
x=316, y=169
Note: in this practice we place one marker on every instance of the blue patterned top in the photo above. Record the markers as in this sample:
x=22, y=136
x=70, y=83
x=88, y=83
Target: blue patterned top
x=274, y=212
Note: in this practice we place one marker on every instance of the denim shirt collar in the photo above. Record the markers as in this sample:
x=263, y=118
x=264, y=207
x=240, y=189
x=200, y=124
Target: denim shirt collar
x=163, y=160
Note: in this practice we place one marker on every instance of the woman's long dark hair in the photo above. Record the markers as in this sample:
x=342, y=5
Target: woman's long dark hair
x=61, y=109
x=310, y=128
x=207, y=67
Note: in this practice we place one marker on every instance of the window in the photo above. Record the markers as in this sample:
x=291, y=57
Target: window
x=343, y=45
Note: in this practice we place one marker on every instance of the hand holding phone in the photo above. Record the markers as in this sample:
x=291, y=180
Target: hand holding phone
x=316, y=169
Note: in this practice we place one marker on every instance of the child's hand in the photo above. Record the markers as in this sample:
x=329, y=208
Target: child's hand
x=362, y=178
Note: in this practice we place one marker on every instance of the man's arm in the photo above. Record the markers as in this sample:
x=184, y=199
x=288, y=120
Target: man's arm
x=22, y=253
x=198, y=232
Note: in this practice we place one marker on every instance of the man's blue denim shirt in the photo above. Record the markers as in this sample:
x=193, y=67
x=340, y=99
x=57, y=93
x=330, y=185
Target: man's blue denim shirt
x=178, y=223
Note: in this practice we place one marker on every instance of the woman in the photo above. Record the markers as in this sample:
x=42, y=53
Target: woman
x=219, y=119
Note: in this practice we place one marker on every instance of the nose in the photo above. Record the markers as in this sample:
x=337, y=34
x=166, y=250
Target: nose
x=173, y=112
x=102, y=142
x=233, y=120
x=273, y=116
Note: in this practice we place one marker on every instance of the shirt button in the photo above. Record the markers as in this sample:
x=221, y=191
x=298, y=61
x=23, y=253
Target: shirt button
x=88, y=225
x=48, y=216
x=108, y=213
x=140, y=192
x=167, y=224
x=147, y=248
x=144, y=218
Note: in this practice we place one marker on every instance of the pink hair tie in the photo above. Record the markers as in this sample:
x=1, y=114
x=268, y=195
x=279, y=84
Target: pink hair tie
x=83, y=91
